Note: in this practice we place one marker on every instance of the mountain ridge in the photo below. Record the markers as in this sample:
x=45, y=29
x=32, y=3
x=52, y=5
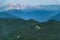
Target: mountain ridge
x=11, y=28
x=38, y=15
x=41, y=7
x=41, y=13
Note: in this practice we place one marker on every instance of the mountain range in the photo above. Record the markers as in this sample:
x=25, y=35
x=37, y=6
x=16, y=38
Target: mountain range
x=30, y=23
x=36, y=14
x=41, y=13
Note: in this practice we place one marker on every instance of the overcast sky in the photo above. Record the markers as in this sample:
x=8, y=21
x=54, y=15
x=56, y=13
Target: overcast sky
x=33, y=2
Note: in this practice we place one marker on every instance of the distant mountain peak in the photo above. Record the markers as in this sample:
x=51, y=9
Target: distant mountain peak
x=20, y=6
x=15, y=6
x=10, y=6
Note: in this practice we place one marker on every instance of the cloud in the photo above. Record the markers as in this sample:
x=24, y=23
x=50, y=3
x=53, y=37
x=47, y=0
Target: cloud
x=36, y=2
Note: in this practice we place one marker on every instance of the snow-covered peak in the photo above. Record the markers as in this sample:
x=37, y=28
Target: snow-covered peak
x=15, y=6
x=10, y=6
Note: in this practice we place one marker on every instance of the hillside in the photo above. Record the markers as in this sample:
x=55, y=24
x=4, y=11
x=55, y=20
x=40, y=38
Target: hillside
x=20, y=29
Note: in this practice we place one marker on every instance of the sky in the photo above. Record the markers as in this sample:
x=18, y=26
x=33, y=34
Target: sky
x=32, y=2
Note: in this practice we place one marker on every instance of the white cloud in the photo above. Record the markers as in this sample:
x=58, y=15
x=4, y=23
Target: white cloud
x=36, y=2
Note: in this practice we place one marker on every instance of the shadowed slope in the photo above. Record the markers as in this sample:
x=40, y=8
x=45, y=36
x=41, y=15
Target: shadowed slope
x=11, y=28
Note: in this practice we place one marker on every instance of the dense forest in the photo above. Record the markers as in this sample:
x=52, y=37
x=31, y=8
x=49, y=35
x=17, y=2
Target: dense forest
x=20, y=29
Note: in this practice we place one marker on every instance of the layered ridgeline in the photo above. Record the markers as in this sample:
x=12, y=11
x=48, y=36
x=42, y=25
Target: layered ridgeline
x=41, y=23
x=40, y=13
x=36, y=14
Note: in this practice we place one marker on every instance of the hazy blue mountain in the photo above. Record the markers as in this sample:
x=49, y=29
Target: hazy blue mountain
x=41, y=14
x=7, y=15
x=57, y=17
